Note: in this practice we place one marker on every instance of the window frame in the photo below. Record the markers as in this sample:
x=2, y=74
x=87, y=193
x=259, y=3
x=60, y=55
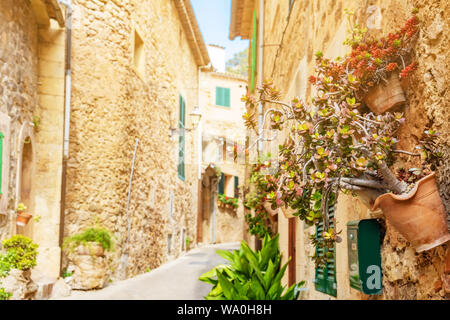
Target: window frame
x=223, y=95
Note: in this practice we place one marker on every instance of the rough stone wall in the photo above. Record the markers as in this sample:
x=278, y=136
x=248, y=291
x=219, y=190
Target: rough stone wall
x=320, y=25
x=18, y=87
x=112, y=106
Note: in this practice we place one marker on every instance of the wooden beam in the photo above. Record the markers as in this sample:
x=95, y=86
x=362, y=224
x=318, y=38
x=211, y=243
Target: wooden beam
x=58, y=12
x=40, y=12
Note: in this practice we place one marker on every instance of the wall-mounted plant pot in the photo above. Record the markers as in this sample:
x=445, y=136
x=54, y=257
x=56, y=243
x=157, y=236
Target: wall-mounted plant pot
x=288, y=212
x=419, y=215
x=23, y=218
x=385, y=96
x=268, y=206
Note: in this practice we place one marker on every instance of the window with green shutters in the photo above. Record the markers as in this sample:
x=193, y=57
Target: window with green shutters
x=236, y=186
x=253, y=56
x=181, y=141
x=221, y=185
x=325, y=276
x=222, y=97
x=1, y=160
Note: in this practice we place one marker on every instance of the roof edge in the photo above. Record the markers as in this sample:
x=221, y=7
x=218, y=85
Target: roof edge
x=195, y=37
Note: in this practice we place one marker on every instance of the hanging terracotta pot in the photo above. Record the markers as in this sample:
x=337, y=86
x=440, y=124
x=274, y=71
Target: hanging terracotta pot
x=288, y=212
x=385, y=96
x=23, y=218
x=268, y=206
x=419, y=215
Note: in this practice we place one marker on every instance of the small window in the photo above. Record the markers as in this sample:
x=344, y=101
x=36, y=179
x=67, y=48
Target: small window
x=139, y=55
x=236, y=186
x=222, y=97
x=169, y=243
x=221, y=185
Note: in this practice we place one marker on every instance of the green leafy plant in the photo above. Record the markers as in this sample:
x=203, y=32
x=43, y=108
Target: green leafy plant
x=251, y=275
x=66, y=274
x=36, y=122
x=21, y=207
x=187, y=241
x=20, y=254
x=223, y=199
x=98, y=235
x=5, y=295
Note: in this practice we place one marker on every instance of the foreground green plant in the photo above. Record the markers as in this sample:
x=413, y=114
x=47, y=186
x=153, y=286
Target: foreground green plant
x=99, y=235
x=251, y=275
x=20, y=254
x=5, y=295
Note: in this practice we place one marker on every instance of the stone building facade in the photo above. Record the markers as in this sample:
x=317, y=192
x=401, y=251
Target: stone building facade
x=135, y=75
x=293, y=32
x=223, y=138
x=32, y=54
x=134, y=82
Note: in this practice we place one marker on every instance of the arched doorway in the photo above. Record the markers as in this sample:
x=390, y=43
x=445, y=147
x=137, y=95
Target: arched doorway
x=26, y=171
x=24, y=177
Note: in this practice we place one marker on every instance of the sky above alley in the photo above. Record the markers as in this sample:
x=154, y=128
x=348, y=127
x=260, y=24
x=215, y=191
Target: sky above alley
x=213, y=17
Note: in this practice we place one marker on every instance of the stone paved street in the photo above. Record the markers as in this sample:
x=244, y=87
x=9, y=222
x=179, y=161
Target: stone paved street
x=176, y=280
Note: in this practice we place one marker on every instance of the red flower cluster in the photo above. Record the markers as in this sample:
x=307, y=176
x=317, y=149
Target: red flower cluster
x=391, y=66
x=312, y=79
x=408, y=70
x=410, y=27
x=373, y=54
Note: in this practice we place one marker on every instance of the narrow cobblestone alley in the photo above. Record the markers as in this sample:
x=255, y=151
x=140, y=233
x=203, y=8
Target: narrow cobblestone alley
x=176, y=280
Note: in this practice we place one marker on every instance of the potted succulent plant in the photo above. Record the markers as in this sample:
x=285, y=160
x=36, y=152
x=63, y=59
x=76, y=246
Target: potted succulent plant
x=332, y=145
x=380, y=64
x=22, y=217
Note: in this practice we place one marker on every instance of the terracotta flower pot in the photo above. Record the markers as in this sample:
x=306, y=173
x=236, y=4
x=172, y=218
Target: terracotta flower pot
x=267, y=205
x=385, y=96
x=23, y=218
x=288, y=212
x=419, y=215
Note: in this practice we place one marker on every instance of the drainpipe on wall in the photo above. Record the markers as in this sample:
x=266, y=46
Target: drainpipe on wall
x=67, y=95
x=260, y=73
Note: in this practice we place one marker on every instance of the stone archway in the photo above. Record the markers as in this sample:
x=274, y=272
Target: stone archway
x=24, y=178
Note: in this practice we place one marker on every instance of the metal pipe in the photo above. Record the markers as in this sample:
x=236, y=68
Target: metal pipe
x=129, y=195
x=260, y=73
x=67, y=96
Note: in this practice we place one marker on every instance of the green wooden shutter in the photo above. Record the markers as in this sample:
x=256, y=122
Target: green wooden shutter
x=181, y=139
x=221, y=185
x=223, y=96
x=253, y=57
x=1, y=160
x=226, y=93
x=236, y=186
x=325, y=277
x=218, y=96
